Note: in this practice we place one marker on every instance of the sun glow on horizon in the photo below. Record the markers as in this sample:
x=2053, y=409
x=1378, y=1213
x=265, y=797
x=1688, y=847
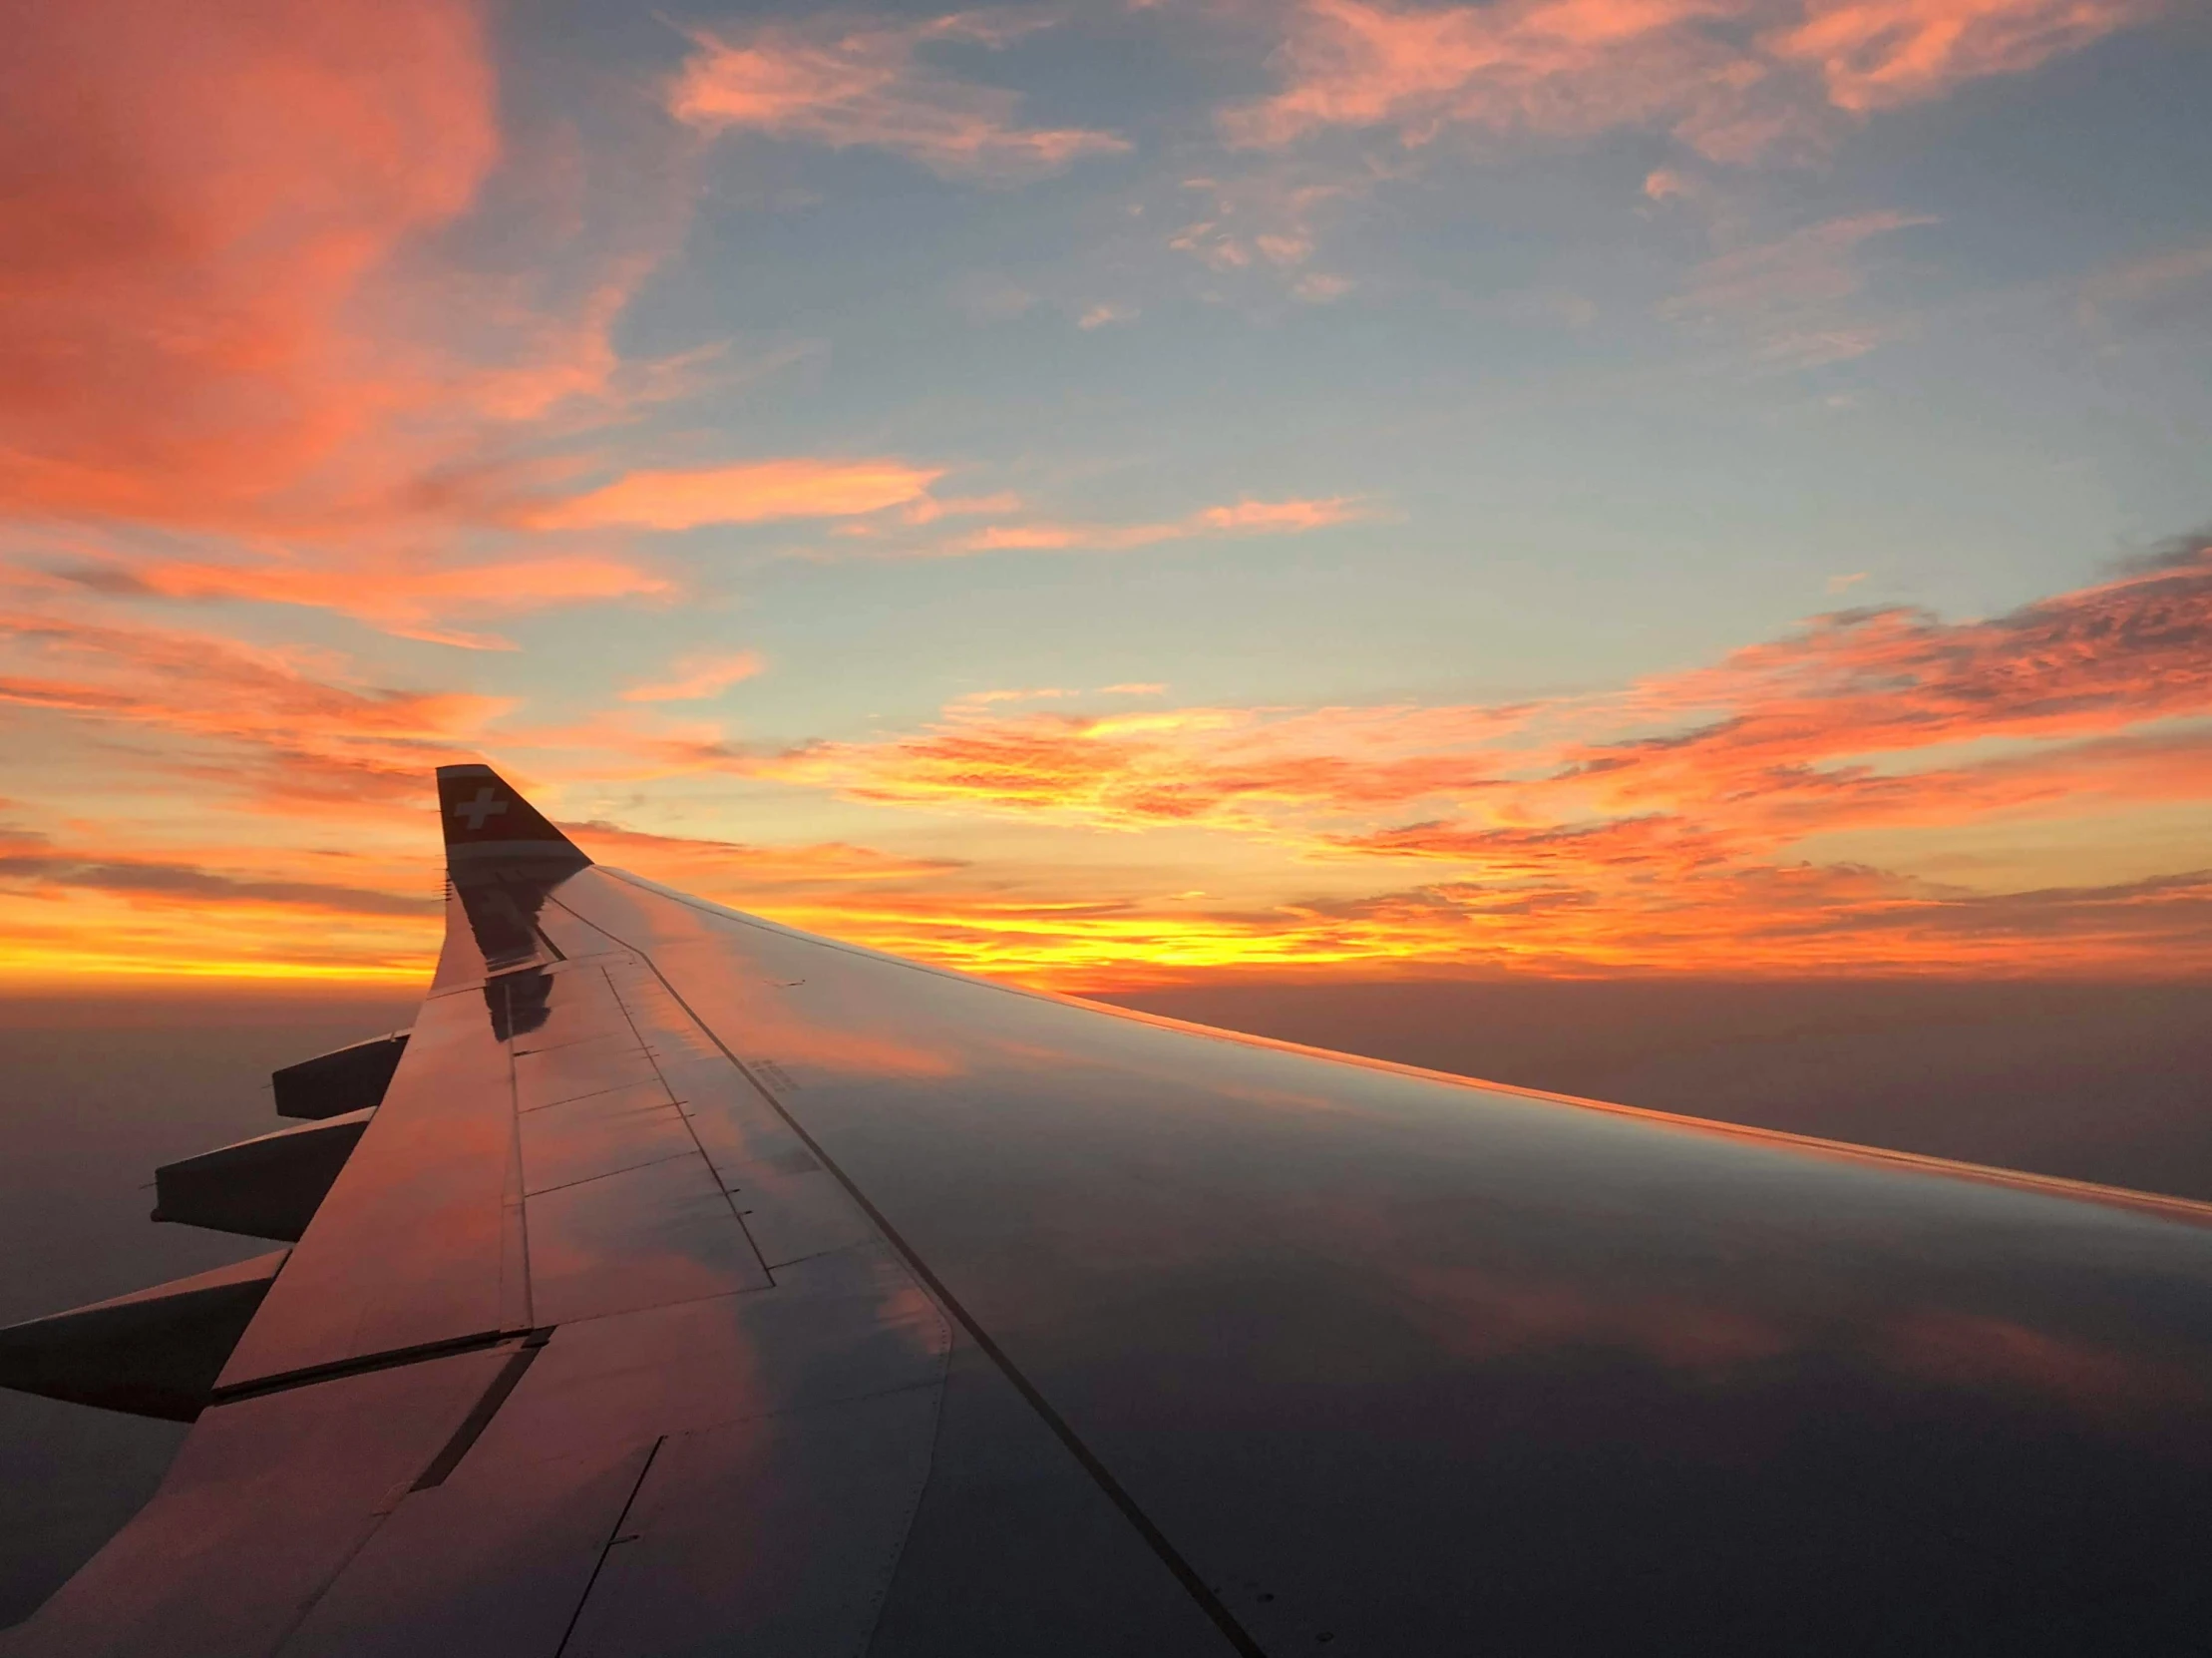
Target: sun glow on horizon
x=907, y=477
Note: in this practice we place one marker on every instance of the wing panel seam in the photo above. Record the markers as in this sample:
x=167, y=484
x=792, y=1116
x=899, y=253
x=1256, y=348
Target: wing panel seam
x=721, y=1186
x=613, y=1537
x=1154, y=1538
x=392, y=1359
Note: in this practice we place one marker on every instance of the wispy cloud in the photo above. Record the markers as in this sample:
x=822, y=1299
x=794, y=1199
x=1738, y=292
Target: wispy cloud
x=872, y=85
x=1877, y=54
x=156, y=881
x=1773, y=743
x=1734, y=80
x=752, y=492
x=1266, y=223
x=281, y=728
x=1221, y=766
x=1793, y=300
x=2171, y=286
x=1656, y=826
x=410, y=595
x=1105, y=314
x=1242, y=518
x=698, y=676
x=718, y=864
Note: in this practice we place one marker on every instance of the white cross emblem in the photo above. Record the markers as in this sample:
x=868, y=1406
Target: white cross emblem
x=486, y=804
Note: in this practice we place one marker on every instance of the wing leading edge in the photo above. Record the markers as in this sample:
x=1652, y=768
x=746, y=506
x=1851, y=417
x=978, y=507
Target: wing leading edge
x=699, y=1285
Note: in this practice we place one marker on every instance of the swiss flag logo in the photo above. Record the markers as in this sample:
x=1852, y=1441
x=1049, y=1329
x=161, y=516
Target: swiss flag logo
x=479, y=806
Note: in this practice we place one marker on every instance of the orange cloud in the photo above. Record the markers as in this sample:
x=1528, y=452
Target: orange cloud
x=1745, y=922
x=229, y=304
x=1246, y=518
x=1665, y=848
x=752, y=492
x=91, y=937
x=872, y=85
x=72, y=907
x=698, y=677
x=723, y=868
x=1569, y=68
x=1663, y=827
x=1876, y=53
x=284, y=730
x=1277, y=517
x=405, y=594
x=192, y=200
x=1214, y=765
x=1733, y=79
x=1861, y=683
x=169, y=882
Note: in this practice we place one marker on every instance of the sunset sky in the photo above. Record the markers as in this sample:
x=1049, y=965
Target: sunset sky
x=1117, y=494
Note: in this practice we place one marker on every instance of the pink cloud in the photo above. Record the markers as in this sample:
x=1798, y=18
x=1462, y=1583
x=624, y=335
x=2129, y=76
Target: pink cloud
x=1735, y=79
x=1791, y=300
x=1569, y=68
x=871, y=85
x=231, y=304
x=194, y=199
x=1877, y=54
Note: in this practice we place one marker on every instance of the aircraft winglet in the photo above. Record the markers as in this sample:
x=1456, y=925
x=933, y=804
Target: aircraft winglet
x=488, y=821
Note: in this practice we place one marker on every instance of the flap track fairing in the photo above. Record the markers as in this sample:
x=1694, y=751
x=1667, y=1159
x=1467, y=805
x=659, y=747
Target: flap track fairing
x=342, y=1081
x=266, y=1187
x=154, y=1352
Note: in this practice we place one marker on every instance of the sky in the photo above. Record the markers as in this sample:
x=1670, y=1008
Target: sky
x=1119, y=495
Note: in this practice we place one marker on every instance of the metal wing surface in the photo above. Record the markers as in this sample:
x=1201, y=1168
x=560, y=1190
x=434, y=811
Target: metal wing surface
x=700, y=1286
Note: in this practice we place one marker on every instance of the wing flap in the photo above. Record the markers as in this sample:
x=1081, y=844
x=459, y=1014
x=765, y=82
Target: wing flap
x=496, y=1559
x=263, y=1507
x=800, y=1563
x=743, y=1461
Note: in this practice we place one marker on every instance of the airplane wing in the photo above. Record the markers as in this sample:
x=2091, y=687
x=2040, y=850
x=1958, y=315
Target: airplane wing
x=699, y=1286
